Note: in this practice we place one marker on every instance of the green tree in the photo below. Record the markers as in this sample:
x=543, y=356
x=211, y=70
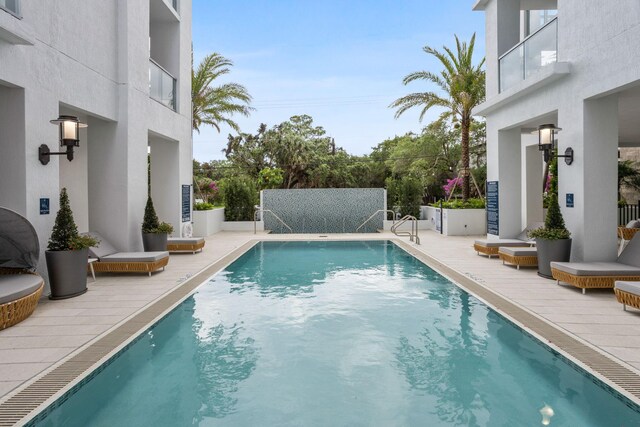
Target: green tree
x=628, y=176
x=463, y=84
x=214, y=105
x=150, y=223
x=64, y=228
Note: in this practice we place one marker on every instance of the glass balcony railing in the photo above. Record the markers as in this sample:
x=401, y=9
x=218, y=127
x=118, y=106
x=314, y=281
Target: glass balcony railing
x=528, y=57
x=162, y=85
x=11, y=6
x=174, y=3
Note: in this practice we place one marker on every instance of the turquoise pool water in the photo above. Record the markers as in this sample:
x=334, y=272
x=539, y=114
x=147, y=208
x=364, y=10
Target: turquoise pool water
x=336, y=334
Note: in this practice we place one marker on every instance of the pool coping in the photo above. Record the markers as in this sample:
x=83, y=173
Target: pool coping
x=63, y=378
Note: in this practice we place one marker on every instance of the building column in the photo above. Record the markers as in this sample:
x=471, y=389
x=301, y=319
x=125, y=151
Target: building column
x=591, y=129
x=504, y=166
x=165, y=181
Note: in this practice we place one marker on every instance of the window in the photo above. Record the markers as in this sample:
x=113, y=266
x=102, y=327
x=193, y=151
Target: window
x=11, y=6
x=537, y=19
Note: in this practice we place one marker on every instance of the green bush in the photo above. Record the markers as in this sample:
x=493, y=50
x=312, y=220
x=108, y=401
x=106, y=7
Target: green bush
x=393, y=190
x=460, y=204
x=240, y=197
x=203, y=206
x=410, y=196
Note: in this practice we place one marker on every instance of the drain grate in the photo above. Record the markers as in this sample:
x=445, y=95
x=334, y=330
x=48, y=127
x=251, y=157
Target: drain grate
x=43, y=391
x=611, y=373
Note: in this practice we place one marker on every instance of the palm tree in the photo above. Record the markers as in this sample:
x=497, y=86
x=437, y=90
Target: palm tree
x=463, y=84
x=214, y=105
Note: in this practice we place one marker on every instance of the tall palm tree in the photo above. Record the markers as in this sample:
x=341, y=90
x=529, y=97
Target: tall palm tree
x=463, y=84
x=214, y=105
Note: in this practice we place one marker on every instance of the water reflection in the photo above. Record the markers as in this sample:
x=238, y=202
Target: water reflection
x=446, y=362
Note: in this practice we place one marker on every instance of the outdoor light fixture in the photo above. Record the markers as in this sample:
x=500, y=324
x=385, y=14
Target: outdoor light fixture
x=69, y=137
x=547, y=143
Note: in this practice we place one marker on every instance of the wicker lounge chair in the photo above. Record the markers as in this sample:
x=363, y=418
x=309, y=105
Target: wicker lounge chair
x=112, y=261
x=20, y=287
x=492, y=247
x=519, y=256
x=627, y=294
x=185, y=244
x=588, y=275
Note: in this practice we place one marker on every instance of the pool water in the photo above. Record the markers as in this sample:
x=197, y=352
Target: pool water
x=337, y=334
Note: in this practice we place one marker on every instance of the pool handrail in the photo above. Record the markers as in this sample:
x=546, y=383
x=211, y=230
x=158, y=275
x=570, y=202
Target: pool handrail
x=414, y=228
x=259, y=209
x=376, y=213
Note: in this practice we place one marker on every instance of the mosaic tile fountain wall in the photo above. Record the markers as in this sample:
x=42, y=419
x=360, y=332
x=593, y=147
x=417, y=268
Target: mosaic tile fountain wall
x=324, y=210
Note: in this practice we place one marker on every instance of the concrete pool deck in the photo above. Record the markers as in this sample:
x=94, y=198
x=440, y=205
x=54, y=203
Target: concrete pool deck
x=58, y=329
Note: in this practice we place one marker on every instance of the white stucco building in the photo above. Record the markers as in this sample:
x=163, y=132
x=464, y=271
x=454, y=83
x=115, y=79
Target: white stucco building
x=574, y=64
x=124, y=68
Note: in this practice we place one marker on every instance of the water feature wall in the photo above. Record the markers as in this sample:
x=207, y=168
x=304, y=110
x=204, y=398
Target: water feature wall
x=323, y=210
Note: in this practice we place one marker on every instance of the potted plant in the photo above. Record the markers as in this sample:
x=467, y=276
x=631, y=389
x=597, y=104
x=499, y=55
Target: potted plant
x=67, y=254
x=154, y=232
x=553, y=240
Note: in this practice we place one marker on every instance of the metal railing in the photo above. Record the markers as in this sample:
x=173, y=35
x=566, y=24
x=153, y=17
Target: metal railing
x=413, y=235
x=529, y=56
x=628, y=213
x=373, y=216
x=259, y=210
x=162, y=85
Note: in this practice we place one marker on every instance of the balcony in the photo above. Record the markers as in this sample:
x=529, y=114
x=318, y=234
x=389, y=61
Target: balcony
x=530, y=56
x=162, y=85
x=11, y=6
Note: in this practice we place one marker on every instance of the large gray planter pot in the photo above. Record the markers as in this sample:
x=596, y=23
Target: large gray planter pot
x=549, y=251
x=67, y=273
x=154, y=242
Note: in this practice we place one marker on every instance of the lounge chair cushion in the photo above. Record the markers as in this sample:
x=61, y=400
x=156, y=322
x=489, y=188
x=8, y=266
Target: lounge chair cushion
x=16, y=286
x=185, y=240
x=103, y=249
x=631, y=253
x=633, y=224
x=135, y=257
x=596, y=268
x=519, y=251
x=630, y=287
x=500, y=242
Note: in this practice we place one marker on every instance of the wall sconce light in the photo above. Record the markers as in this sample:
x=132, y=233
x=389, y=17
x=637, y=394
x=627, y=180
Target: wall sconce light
x=547, y=143
x=69, y=137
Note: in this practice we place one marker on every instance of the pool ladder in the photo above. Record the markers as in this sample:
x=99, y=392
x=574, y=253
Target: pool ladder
x=413, y=234
x=260, y=210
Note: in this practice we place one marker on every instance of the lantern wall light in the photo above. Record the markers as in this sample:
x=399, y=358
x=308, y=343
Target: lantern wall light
x=547, y=143
x=69, y=127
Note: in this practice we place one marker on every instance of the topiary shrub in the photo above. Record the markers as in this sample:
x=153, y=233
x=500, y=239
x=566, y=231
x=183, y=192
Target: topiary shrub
x=65, y=236
x=240, y=197
x=151, y=223
x=554, y=228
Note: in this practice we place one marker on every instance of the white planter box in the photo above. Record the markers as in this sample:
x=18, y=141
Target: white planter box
x=457, y=222
x=206, y=223
x=242, y=226
x=422, y=225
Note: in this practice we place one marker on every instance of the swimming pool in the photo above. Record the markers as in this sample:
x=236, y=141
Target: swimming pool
x=336, y=333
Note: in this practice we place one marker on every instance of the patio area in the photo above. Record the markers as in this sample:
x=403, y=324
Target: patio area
x=60, y=330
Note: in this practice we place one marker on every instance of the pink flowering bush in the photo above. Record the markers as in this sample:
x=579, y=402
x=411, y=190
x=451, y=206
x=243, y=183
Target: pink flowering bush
x=452, y=185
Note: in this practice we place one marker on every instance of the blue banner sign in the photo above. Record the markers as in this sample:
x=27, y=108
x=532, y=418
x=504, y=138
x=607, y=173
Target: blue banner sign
x=569, y=200
x=186, y=203
x=493, y=214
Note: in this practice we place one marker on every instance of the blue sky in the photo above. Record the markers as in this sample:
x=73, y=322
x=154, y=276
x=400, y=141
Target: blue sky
x=339, y=61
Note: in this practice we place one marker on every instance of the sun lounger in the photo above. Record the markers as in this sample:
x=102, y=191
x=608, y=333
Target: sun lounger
x=110, y=260
x=627, y=294
x=519, y=256
x=185, y=244
x=491, y=247
x=587, y=275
